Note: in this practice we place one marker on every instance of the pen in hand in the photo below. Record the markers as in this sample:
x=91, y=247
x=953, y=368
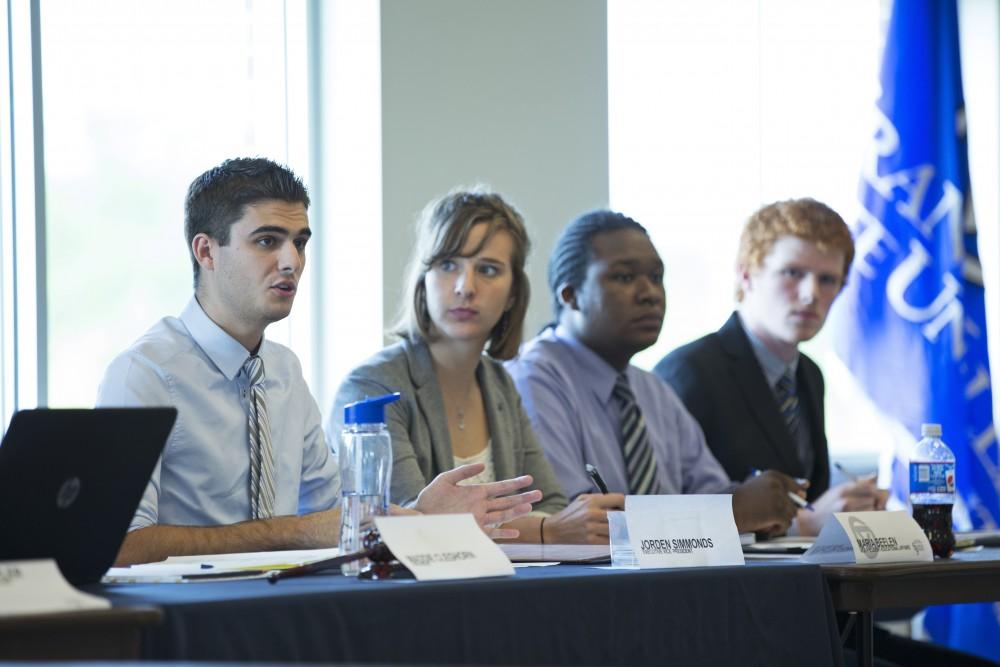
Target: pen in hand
x=851, y=476
x=800, y=501
x=795, y=498
x=847, y=473
x=596, y=478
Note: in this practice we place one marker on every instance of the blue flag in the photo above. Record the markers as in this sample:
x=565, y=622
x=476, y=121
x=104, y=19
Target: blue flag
x=911, y=321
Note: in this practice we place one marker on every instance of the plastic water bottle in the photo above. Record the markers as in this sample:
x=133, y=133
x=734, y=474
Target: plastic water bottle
x=365, y=472
x=932, y=489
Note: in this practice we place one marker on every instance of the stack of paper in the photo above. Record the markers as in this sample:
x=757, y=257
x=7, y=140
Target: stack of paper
x=216, y=567
x=788, y=546
x=557, y=553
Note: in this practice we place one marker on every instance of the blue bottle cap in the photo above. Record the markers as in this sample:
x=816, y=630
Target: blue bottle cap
x=368, y=411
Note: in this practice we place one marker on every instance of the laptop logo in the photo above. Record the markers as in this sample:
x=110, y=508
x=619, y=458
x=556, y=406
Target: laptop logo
x=68, y=493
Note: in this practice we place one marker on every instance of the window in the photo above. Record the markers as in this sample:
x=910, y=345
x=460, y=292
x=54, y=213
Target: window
x=139, y=98
x=718, y=107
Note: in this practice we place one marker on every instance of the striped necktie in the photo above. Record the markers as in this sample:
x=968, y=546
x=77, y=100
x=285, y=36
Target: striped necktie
x=788, y=400
x=261, y=454
x=640, y=466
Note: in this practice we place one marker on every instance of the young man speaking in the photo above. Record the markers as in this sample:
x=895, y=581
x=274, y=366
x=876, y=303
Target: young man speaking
x=247, y=466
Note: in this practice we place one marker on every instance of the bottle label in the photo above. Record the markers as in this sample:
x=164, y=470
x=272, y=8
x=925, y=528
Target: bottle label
x=932, y=477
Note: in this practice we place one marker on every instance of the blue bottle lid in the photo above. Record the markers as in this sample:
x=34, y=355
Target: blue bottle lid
x=368, y=411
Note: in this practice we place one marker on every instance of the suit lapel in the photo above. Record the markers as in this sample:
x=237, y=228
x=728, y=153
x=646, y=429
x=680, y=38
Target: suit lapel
x=749, y=379
x=498, y=420
x=431, y=403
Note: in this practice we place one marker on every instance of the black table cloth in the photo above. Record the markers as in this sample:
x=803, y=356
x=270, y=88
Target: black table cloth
x=760, y=614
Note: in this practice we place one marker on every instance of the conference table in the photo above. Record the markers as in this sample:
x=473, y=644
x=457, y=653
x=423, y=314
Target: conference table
x=968, y=576
x=764, y=614
x=767, y=612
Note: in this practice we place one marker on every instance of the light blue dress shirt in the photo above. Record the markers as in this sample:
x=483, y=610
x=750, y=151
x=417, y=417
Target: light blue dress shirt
x=202, y=478
x=566, y=389
x=774, y=368
x=772, y=365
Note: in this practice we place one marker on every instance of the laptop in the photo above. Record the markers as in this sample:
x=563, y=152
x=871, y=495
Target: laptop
x=71, y=480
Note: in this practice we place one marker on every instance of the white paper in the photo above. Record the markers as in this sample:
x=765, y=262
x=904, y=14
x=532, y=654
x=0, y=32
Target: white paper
x=259, y=559
x=177, y=568
x=38, y=587
x=683, y=530
x=151, y=572
x=757, y=555
x=784, y=545
x=870, y=537
x=556, y=553
x=443, y=546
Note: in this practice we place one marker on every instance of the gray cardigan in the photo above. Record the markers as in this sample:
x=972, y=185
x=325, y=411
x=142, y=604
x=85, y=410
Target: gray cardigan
x=420, y=441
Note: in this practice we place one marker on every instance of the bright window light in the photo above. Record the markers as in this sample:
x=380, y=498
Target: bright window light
x=718, y=107
x=139, y=98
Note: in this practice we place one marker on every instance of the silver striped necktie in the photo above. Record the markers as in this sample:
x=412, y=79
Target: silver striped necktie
x=261, y=453
x=640, y=466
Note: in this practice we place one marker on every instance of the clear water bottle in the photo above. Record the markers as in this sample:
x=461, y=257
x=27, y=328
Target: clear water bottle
x=365, y=472
x=932, y=489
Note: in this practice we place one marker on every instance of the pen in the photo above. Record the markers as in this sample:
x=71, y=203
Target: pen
x=847, y=473
x=800, y=501
x=596, y=478
x=797, y=499
x=225, y=574
x=855, y=479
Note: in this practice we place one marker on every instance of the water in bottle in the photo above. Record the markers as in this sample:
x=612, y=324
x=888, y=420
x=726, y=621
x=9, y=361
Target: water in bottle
x=357, y=512
x=365, y=457
x=932, y=489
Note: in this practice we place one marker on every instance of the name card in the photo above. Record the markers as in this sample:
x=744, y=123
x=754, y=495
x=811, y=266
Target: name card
x=622, y=554
x=683, y=530
x=870, y=537
x=443, y=546
x=38, y=587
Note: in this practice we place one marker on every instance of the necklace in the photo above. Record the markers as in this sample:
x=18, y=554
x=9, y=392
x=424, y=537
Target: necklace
x=460, y=410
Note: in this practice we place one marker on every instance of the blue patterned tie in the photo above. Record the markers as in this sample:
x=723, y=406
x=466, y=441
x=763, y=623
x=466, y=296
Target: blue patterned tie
x=640, y=466
x=261, y=454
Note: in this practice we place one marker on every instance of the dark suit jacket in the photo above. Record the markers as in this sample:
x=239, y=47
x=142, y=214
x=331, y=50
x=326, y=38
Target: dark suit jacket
x=723, y=386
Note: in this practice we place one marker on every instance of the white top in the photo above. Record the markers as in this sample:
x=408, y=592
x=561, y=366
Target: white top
x=484, y=456
x=488, y=474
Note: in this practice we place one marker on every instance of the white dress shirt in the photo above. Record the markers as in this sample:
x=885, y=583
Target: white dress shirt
x=202, y=478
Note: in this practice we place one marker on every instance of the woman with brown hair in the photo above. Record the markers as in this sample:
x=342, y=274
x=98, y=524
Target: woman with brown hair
x=467, y=294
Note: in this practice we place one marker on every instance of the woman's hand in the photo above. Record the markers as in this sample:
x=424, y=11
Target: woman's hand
x=492, y=504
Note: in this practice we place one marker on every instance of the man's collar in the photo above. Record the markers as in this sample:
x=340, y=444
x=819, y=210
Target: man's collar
x=596, y=372
x=227, y=353
x=770, y=363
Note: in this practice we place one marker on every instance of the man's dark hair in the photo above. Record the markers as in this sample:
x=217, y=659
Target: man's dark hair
x=572, y=252
x=219, y=197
